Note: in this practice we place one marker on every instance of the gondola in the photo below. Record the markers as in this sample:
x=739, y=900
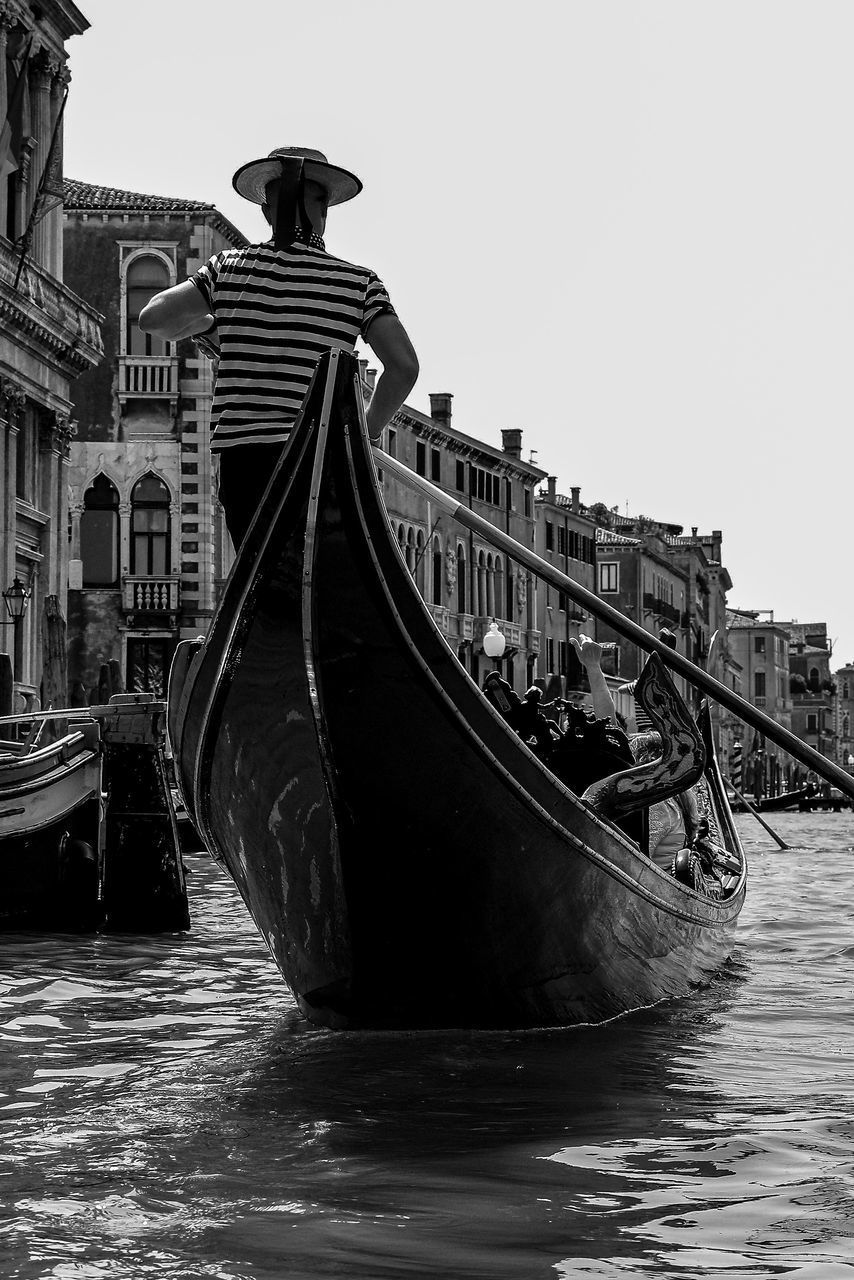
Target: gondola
x=406, y=856
x=50, y=816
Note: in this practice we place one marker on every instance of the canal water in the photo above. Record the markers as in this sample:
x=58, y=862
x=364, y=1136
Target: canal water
x=165, y=1112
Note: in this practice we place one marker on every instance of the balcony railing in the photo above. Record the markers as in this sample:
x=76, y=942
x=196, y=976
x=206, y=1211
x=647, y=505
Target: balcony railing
x=148, y=376
x=142, y=594
x=655, y=604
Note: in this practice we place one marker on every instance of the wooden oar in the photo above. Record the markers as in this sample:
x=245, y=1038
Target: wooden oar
x=757, y=815
x=623, y=625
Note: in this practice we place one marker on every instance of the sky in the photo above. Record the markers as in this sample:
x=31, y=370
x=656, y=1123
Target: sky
x=624, y=226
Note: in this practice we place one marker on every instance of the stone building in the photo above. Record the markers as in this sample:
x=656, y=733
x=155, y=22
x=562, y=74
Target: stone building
x=148, y=544
x=843, y=678
x=49, y=335
x=812, y=685
x=760, y=648
x=465, y=582
x=566, y=538
x=637, y=574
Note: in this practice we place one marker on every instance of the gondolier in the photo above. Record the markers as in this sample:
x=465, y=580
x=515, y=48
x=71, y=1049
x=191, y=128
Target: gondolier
x=267, y=313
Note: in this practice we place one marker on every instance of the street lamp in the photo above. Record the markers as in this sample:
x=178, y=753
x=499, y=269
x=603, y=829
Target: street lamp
x=494, y=643
x=17, y=597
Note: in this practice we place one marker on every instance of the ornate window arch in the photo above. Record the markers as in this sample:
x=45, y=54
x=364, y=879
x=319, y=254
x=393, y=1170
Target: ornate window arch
x=436, y=562
x=461, y=577
x=145, y=271
x=100, y=533
x=150, y=527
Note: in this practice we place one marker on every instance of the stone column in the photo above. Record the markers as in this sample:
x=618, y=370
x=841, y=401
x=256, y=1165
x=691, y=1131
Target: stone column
x=5, y=25
x=41, y=73
x=53, y=220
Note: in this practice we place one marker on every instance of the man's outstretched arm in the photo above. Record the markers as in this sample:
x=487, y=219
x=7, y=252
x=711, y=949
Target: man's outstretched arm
x=390, y=343
x=179, y=312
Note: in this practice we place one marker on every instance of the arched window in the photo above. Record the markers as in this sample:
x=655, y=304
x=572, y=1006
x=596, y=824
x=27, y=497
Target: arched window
x=149, y=527
x=461, y=578
x=509, y=604
x=410, y=550
x=490, y=587
x=499, y=587
x=437, y=571
x=419, y=566
x=845, y=688
x=145, y=276
x=480, y=607
x=846, y=726
x=99, y=534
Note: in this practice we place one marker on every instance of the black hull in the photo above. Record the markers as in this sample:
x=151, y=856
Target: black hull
x=406, y=857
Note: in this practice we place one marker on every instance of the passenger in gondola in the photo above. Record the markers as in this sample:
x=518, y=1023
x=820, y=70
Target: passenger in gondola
x=266, y=313
x=523, y=714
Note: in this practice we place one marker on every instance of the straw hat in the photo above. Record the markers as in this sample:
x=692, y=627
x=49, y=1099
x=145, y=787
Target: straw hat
x=251, y=179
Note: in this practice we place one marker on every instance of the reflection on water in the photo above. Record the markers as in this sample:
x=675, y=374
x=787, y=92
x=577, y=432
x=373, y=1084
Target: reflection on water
x=166, y=1112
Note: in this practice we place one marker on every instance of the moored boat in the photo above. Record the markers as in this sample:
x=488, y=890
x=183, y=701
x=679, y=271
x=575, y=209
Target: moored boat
x=407, y=858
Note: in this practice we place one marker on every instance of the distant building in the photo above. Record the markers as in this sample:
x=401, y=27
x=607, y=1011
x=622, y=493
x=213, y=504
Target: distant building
x=148, y=542
x=48, y=334
x=638, y=575
x=466, y=583
x=566, y=538
x=843, y=678
x=760, y=647
x=812, y=684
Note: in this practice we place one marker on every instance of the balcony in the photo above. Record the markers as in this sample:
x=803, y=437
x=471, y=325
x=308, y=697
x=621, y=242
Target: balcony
x=442, y=617
x=655, y=604
x=142, y=594
x=148, y=377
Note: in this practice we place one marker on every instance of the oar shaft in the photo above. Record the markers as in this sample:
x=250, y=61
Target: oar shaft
x=624, y=626
x=758, y=816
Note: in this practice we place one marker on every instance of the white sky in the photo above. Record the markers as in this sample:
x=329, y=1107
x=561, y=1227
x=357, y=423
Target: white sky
x=626, y=226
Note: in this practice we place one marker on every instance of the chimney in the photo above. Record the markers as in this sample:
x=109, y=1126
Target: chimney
x=511, y=442
x=576, y=498
x=552, y=483
x=371, y=379
x=693, y=531
x=440, y=408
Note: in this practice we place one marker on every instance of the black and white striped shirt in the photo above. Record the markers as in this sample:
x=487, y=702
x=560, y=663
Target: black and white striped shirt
x=276, y=313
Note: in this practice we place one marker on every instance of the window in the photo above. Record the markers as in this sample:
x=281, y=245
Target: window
x=485, y=486
x=461, y=476
x=550, y=654
x=845, y=688
x=561, y=540
x=550, y=536
x=812, y=722
x=145, y=276
x=846, y=726
x=758, y=644
x=436, y=466
x=461, y=578
x=149, y=527
x=509, y=588
x=421, y=457
x=609, y=577
x=561, y=601
x=437, y=571
x=759, y=684
x=527, y=502
x=27, y=457
x=562, y=658
x=508, y=495
x=392, y=443
x=99, y=534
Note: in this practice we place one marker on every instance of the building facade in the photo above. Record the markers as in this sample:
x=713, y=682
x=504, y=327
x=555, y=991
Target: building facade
x=843, y=678
x=148, y=544
x=465, y=582
x=760, y=648
x=566, y=538
x=49, y=335
x=813, y=687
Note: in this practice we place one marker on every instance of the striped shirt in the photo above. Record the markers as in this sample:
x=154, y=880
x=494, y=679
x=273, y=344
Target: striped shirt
x=276, y=313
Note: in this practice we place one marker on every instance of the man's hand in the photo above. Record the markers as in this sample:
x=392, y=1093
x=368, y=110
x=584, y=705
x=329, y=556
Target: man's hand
x=390, y=343
x=589, y=652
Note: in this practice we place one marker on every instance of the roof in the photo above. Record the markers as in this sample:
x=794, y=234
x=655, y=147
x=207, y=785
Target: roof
x=83, y=196
x=615, y=539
